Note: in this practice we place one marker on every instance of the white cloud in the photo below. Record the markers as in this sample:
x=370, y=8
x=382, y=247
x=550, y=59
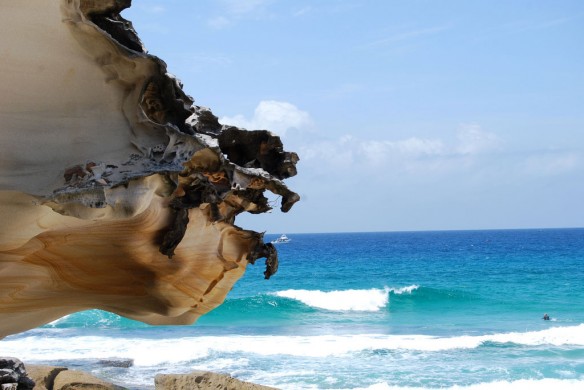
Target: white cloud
x=473, y=140
x=473, y=152
x=323, y=155
x=272, y=115
x=379, y=152
x=412, y=155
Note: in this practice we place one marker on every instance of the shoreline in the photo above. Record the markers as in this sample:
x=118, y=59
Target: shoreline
x=47, y=377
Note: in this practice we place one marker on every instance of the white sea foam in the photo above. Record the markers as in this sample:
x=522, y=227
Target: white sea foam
x=531, y=384
x=141, y=349
x=404, y=290
x=341, y=300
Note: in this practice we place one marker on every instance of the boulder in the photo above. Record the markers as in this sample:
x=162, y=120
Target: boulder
x=79, y=380
x=13, y=373
x=43, y=376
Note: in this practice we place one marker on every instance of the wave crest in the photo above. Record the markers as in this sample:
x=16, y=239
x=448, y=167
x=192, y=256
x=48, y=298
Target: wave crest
x=340, y=300
x=404, y=290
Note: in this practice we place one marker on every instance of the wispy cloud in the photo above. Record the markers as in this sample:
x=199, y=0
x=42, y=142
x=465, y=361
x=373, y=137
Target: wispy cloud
x=473, y=140
x=413, y=154
x=521, y=26
x=407, y=36
x=474, y=153
x=381, y=152
x=234, y=10
x=272, y=115
x=303, y=11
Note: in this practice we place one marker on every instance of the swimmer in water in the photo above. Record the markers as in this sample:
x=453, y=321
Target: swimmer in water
x=546, y=317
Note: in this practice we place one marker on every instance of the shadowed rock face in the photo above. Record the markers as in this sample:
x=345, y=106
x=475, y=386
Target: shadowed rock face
x=116, y=191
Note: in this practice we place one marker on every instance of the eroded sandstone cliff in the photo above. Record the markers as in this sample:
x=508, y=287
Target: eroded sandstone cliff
x=117, y=192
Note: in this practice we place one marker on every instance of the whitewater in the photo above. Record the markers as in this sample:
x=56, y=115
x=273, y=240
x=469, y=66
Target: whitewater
x=375, y=311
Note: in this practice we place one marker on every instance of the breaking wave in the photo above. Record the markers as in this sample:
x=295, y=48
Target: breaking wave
x=40, y=346
x=346, y=300
x=343, y=300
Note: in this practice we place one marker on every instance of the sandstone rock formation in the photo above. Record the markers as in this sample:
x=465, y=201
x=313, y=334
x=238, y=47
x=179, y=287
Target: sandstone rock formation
x=202, y=380
x=116, y=191
x=61, y=378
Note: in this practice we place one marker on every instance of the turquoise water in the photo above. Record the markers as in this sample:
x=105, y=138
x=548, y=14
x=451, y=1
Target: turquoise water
x=411, y=310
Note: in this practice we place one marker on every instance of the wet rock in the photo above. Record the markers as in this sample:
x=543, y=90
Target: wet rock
x=122, y=363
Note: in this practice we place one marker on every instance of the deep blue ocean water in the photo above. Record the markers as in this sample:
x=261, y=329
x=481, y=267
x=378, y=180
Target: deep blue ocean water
x=399, y=310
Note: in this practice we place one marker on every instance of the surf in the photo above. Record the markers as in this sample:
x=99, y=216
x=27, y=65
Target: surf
x=37, y=345
x=367, y=300
x=532, y=384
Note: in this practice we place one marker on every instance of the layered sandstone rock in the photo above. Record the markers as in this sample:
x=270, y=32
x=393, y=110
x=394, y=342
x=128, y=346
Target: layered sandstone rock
x=116, y=191
x=202, y=380
x=61, y=378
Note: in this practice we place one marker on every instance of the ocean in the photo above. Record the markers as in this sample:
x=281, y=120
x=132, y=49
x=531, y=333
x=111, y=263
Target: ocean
x=396, y=310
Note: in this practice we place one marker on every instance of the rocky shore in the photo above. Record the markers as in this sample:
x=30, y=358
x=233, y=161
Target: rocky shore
x=15, y=375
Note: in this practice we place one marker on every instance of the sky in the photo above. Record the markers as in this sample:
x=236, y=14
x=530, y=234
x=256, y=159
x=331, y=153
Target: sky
x=406, y=115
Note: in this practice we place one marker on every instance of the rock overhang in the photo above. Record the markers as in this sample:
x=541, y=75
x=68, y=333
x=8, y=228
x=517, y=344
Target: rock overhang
x=117, y=192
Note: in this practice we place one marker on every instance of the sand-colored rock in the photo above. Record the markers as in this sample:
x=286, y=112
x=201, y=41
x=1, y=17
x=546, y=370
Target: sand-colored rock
x=79, y=380
x=203, y=380
x=43, y=376
x=116, y=191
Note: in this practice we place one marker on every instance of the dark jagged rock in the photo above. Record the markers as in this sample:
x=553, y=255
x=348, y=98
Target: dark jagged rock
x=12, y=371
x=258, y=149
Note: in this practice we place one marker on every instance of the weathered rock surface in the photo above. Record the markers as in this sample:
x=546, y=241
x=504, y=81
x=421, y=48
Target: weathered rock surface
x=79, y=380
x=116, y=191
x=61, y=378
x=203, y=380
x=43, y=376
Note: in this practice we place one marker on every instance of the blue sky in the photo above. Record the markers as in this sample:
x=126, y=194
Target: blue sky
x=407, y=115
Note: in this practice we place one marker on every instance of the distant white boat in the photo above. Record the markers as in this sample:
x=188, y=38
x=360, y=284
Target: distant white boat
x=283, y=239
